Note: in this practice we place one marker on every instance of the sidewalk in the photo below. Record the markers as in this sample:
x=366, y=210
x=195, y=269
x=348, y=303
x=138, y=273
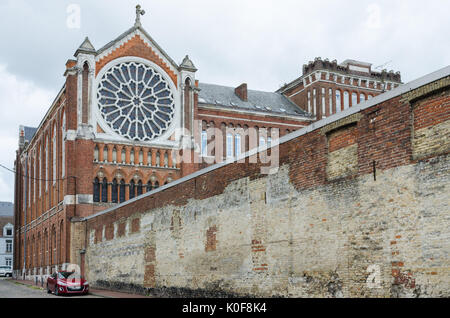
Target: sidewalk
x=96, y=292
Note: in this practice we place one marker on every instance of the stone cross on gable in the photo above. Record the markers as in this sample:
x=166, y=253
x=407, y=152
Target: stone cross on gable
x=139, y=12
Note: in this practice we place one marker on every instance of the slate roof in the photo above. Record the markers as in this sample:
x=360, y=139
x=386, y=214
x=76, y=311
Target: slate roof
x=29, y=133
x=268, y=102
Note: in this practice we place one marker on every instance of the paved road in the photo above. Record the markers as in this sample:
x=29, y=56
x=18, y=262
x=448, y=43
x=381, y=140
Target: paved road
x=11, y=289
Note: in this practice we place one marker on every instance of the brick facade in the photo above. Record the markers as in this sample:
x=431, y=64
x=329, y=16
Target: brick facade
x=300, y=232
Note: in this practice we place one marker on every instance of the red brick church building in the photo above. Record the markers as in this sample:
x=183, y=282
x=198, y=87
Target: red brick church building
x=129, y=119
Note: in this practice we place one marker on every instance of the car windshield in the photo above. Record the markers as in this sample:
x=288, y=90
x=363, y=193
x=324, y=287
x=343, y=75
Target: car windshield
x=67, y=274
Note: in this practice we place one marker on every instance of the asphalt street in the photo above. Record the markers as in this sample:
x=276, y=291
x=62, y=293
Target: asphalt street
x=11, y=289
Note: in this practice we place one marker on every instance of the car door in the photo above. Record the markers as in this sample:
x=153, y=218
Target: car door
x=52, y=282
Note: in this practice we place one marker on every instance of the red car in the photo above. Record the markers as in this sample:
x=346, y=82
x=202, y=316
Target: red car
x=65, y=283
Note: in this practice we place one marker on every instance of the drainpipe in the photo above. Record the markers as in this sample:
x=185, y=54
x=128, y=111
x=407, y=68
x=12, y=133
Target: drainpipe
x=25, y=223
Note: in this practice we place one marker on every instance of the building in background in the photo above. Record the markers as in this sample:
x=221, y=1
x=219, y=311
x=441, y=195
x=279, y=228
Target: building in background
x=326, y=88
x=6, y=233
x=128, y=120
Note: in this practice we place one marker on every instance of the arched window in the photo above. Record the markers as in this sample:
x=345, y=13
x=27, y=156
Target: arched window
x=314, y=102
x=174, y=159
x=132, y=189
x=122, y=191
x=324, y=111
x=96, y=153
x=85, y=89
x=96, y=190
x=54, y=155
x=362, y=97
x=166, y=160
x=330, y=101
x=105, y=190
x=354, y=99
x=61, y=233
x=139, y=188
x=262, y=141
x=114, y=155
x=114, y=191
x=63, y=147
x=229, y=145
x=158, y=159
x=46, y=163
x=105, y=153
x=204, y=143
x=237, y=145
x=309, y=102
x=141, y=157
x=122, y=156
x=338, y=101
x=346, y=100
x=149, y=186
x=132, y=157
x=156, y=185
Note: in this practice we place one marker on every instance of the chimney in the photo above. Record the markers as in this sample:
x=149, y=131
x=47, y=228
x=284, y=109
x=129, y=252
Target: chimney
x=241, y=92
x=21, y=136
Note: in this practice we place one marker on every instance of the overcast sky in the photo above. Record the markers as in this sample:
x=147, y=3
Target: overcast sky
x=261, y=42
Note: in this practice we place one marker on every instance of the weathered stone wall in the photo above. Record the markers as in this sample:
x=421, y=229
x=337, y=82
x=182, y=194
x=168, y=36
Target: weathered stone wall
x=303, y=231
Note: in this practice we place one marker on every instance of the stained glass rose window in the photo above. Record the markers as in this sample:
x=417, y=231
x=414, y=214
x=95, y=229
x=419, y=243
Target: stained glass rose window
x=136, y=101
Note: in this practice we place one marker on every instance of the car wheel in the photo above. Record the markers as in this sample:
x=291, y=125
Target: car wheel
x=48, y=290
x=56, y=290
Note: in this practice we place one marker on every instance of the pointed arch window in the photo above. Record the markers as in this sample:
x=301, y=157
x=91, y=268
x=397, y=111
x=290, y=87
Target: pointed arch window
x=96, y=190
x=104, y=190
x=156, y=185
x=139, y=188
x=149, y=186
x=122, y=191
x=132, y=189
x=114, y=190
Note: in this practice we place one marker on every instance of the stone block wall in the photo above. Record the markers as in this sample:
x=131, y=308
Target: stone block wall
x=358, y=208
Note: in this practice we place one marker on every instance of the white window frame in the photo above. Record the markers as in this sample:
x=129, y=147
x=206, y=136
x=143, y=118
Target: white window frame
x=204, y=143
x=346, y=100
x=330, y=98
x=237, y=145
x=324, y=111
x=338, y=100
x=230, y=145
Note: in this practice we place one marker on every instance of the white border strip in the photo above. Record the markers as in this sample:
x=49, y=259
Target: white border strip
x=402, y=89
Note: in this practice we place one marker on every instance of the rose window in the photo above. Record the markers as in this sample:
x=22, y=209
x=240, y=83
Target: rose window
x=136, y=101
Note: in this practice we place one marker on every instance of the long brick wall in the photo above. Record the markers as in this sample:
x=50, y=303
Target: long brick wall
x=357, y=208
